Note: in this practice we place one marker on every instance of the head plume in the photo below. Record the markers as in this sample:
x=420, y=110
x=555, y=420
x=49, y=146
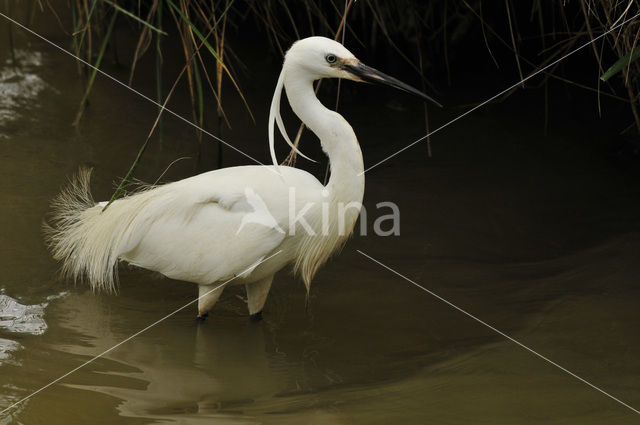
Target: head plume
x=274, y=116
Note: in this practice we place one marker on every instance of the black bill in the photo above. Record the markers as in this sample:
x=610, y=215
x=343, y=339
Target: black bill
x=371, y=75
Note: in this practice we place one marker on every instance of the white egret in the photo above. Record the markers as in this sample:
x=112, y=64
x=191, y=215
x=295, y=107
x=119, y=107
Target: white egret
x=222, y=224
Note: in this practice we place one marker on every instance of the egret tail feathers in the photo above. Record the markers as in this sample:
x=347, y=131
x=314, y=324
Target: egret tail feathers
x=86, y=239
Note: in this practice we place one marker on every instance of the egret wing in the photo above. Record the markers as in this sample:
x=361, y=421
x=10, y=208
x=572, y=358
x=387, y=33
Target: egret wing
x=190, y=232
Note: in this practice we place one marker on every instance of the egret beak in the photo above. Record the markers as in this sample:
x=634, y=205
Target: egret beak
x=365, y=73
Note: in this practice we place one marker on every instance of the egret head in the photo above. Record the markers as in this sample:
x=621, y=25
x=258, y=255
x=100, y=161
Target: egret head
x=321, y=57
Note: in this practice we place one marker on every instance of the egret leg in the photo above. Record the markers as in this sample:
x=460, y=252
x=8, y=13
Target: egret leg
x=207, y=297
x=257, y=295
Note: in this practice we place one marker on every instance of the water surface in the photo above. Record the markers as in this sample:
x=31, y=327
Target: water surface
x=537, y=236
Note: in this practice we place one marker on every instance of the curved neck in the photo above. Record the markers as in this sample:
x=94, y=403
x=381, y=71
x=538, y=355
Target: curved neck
x=336, y=136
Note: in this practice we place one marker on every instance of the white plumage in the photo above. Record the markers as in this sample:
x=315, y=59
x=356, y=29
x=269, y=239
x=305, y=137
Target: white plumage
x=212, y=227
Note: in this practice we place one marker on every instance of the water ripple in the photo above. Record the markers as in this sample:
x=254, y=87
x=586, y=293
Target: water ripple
x=20, y=85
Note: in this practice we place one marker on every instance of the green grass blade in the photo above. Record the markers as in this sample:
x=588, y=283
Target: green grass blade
x=621, y=63
x=159, y=72
x=200, y=92
x=134, y=17
x=195, y=30
x=92, y=78
x=121, y=187
x=86, y=27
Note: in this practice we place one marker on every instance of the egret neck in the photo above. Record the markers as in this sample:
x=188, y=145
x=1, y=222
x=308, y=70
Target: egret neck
x=337, y=139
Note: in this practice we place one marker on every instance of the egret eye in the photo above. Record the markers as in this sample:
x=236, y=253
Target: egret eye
x=331, y=58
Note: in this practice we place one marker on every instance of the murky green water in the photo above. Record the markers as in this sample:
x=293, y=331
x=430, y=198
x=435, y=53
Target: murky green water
x=536, y=236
